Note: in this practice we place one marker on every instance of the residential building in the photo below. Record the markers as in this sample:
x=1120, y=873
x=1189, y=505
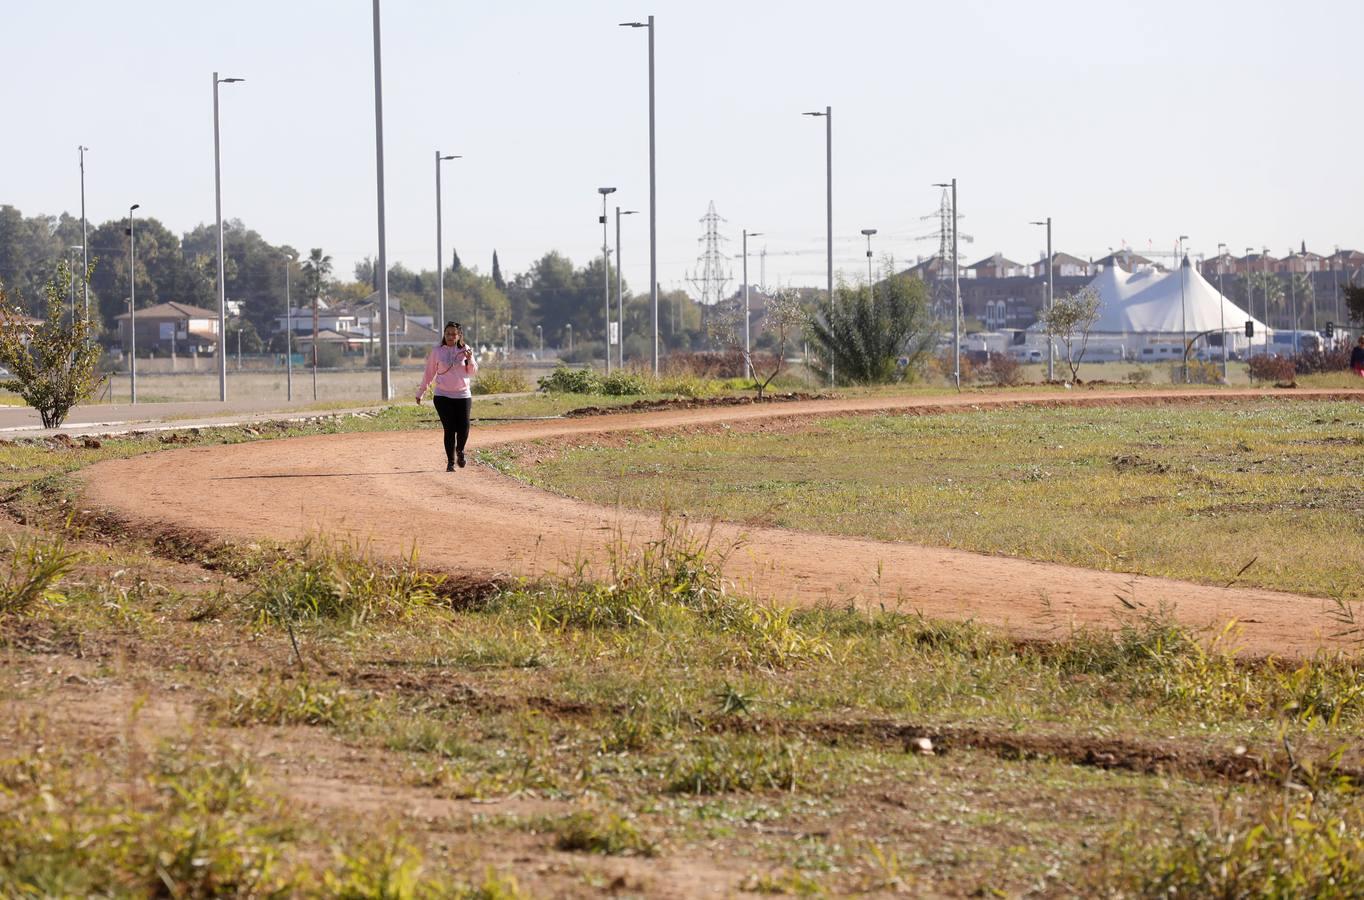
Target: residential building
x=171, y=328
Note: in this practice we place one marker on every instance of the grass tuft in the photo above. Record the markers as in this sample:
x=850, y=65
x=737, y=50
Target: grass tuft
x=589, y=831
x=340, y=581
x=720, y=765
x=33, y=568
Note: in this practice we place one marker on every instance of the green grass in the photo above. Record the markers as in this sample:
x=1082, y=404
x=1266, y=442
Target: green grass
x=1194, y=492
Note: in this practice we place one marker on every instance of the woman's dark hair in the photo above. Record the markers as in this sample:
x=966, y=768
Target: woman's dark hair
x=452, y=324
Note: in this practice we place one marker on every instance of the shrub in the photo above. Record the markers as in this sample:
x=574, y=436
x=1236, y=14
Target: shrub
x=1138, y=376
x=1313, y=362
x=51, y=365
x=718, y=766
x=500, y=379
x=1276, y=369
x=1200, y=372
x=33, y=569
x=1002, y=370
x=706, y=364
x=610, y=834
x=1284, y=847
x=564, y=380
x=624, y=384
x=340, y=582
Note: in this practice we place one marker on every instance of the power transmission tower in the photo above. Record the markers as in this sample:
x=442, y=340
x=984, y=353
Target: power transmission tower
x=942, y=285
x=715, y=276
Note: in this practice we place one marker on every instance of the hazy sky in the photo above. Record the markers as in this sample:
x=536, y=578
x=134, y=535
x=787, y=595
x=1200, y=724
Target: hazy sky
x=1237, y=123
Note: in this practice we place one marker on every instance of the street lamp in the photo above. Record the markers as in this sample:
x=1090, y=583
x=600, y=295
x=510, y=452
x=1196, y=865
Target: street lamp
x=606, y=272
x=385, y=386
x=1264, y=265
x=132, y=307
x=222, y=278
x=288, y=331
x=867, y=233
x=1293, y=298
x=1051, y=297
x=748, y=358
x=620, y=290
x=956, y=290
x=653, y=190
x=1183, y=313
x=540, y=336
x=71, y=282
x=85, y=240
x=440, y=257
x=1222, y=304
x=570, y=338
x=828, y=116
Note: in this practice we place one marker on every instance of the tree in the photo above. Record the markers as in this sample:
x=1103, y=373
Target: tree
x=865, y=340
x=1354, y=301
x=1071, y=318
x=52, y=365
x=316, y=268
x=455, y=264
x=785, y=318
x=497, y=274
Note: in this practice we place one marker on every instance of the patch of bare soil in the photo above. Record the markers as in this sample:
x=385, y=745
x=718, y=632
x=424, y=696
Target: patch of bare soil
x=691, y=403
x=391, y=490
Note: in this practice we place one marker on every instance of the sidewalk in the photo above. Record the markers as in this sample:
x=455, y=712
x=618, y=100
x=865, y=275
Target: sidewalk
x=120, y=418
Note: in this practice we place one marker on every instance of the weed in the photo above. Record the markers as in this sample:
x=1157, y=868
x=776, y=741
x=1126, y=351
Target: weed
x=590, y=831
x=34, y=567
x=290, y=703
x=721, y=765
x=1278, y=847
x=326, y=580
x=500, y=379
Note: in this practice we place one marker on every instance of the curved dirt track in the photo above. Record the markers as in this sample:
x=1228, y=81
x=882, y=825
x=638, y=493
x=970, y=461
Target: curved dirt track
x=385, y=488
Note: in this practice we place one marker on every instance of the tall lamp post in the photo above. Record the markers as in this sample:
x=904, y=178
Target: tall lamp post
x=71, y=270
x=1051, y=298
x=1222, y=304
x=620, y=291
x=288, y=331
x=132, y=307
x=606, y=272
x=570, y=338
x=867, y=233
x=653, y=190
x=218, y=203
x=956, y=290
x=385, y=385
x=440, y=254
x=748, y=358
x=1183, y=313
x=85, y=240
x=828, y=116
x=1250, y=300
x=1264, y=266
x=540, y=336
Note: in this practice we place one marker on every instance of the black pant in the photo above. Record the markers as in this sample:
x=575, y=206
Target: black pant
x=454, y=418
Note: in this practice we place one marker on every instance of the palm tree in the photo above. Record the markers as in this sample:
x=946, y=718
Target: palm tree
x=316, y=268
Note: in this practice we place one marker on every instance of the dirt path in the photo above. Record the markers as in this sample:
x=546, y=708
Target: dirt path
x=386, y=487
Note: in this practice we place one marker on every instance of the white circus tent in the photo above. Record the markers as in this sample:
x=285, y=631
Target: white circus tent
x=1153, y=303
x=1147, y=315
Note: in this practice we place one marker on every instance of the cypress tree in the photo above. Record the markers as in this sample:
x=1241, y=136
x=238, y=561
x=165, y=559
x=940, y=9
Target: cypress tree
x=455, y=264
x=497, y=274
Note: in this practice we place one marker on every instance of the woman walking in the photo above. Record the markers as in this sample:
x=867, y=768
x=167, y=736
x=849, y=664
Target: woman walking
x=451, y=366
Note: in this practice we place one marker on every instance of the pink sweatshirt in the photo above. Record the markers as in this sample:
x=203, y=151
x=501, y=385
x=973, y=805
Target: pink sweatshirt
x=447, y=368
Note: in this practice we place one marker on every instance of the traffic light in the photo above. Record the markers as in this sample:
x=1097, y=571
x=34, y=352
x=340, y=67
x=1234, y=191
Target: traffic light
x=1250, y=328
x=1330, y=329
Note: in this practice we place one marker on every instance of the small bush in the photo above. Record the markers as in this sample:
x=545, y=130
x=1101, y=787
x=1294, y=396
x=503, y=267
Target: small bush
x=719, y=765
x=32, y=570
x=500, y=380
x=624, y=384
x=564, y=380
x=1314, y=362
x=606, y=833
x=289, y=703
x=345, y=582
x=1283, y=847
x=1002, y=371
x=1200, y=372
x=1138, y=376
x=1273, y=369
x=707, y=364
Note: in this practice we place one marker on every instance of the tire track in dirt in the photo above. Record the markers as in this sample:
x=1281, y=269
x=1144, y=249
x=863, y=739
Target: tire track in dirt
x=389, y=489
